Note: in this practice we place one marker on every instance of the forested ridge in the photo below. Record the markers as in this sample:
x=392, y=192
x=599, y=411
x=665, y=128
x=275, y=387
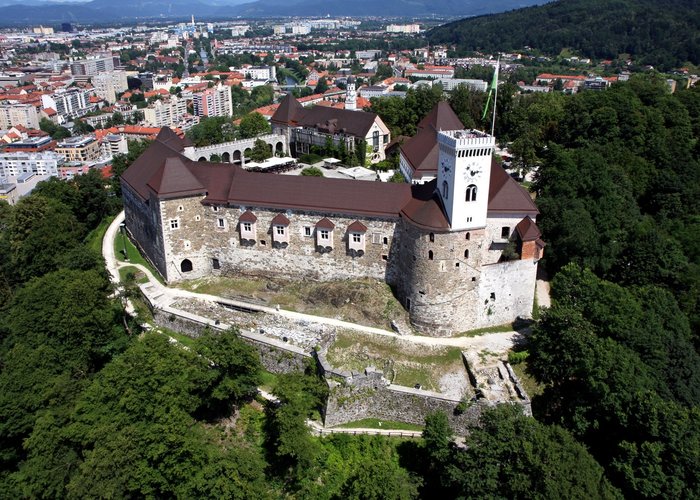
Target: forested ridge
x=663, y=33
x=91, y=406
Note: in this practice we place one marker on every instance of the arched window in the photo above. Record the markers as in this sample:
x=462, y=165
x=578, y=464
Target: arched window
x=467, y=236
x=432, y=237
x=430, y=255
x=445, y=190
x=466, y=254
x=186, y=266
x=471, y=193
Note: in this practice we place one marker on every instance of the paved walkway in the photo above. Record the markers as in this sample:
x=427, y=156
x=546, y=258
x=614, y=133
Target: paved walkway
x=163, y=296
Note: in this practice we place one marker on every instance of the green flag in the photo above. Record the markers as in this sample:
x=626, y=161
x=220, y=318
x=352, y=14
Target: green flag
x=492, y=90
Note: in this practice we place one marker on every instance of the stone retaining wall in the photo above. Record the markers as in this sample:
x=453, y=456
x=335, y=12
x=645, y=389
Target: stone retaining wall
x=350, y=403
x=275, y=356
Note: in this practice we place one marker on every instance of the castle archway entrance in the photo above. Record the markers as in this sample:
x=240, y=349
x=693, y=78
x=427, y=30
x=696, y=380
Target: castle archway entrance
x=186, y=266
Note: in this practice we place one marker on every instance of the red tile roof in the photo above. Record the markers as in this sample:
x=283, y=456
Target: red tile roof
x=280, y=220
x=325, y=224
x=163, y=171
x=248, y=216
x=357, y=227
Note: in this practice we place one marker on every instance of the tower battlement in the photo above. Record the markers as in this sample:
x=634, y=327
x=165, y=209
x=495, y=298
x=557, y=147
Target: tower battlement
x=466, y=139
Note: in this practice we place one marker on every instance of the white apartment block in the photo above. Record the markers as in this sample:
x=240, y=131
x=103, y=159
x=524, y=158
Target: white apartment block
x=71, y=103
x=449, y=84
x=215, y=101
x=13, y=165
x=165, y=113
x=18, y=114
x=92, y=66
x=113, y=144
x=403, y=28
x=239, y=29
x=267, y=73
x=109, y=84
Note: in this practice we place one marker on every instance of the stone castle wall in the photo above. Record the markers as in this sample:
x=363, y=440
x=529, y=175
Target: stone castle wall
x=506, y=291
x=202, y=238
x=143, y=222
x=453, y=282
x=357, y=400
x=275, y=356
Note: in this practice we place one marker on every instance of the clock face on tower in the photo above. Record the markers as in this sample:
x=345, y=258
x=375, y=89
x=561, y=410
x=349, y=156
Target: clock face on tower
x=445, y=166
x=472, y=170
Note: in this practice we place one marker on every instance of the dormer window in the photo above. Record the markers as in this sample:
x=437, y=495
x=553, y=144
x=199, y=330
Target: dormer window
x=247, y=227
x=471, y=193
x=356, y=239
x=280, y=231
x=324, y=235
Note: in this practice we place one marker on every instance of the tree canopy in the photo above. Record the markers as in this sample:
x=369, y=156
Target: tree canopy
x=661, y=33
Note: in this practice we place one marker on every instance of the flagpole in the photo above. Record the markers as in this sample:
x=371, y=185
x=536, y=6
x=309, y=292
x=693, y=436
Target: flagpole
x=495, y=96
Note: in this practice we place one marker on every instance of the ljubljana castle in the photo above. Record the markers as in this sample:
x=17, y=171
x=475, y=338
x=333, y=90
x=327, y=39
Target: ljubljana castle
x=460, y=248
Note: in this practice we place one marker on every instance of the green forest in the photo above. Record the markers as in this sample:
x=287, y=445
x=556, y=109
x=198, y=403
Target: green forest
x=93, y=406
x=664, y=33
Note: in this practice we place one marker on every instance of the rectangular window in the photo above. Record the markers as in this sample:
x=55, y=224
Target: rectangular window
x=215, y=264
x=174, y=223
x=307, y=231
x=356, y=237
x=221, y=223
x=214, y=209
x=247, y=227
x=376, y=238
x=279, y=230
x=324, y=234
x=505, y=233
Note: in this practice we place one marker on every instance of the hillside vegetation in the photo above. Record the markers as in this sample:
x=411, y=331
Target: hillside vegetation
x=664, y=33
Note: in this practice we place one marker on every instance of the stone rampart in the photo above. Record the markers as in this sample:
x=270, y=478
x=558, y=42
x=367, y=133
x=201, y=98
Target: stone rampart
x=275, y=356
x=350, y=400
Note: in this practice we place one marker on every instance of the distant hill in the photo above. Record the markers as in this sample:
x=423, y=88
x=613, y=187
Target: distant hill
x=664, y=33
x=375, y=8
x=106, y=11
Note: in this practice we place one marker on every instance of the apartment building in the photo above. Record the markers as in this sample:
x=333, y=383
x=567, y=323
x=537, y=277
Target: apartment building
x=215, y=101
x=18, y=114
x=13, y=165
x=79, y=149
x=165, y=113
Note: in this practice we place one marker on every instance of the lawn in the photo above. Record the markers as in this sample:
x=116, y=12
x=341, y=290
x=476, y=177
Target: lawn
x=134, y=256
x=367, y=302
x=402, y=363
x=508, y=327
x=374, y=423
x=126, y=270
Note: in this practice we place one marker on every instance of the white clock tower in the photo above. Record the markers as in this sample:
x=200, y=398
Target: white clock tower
x=464, y=172
x=351, y=95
